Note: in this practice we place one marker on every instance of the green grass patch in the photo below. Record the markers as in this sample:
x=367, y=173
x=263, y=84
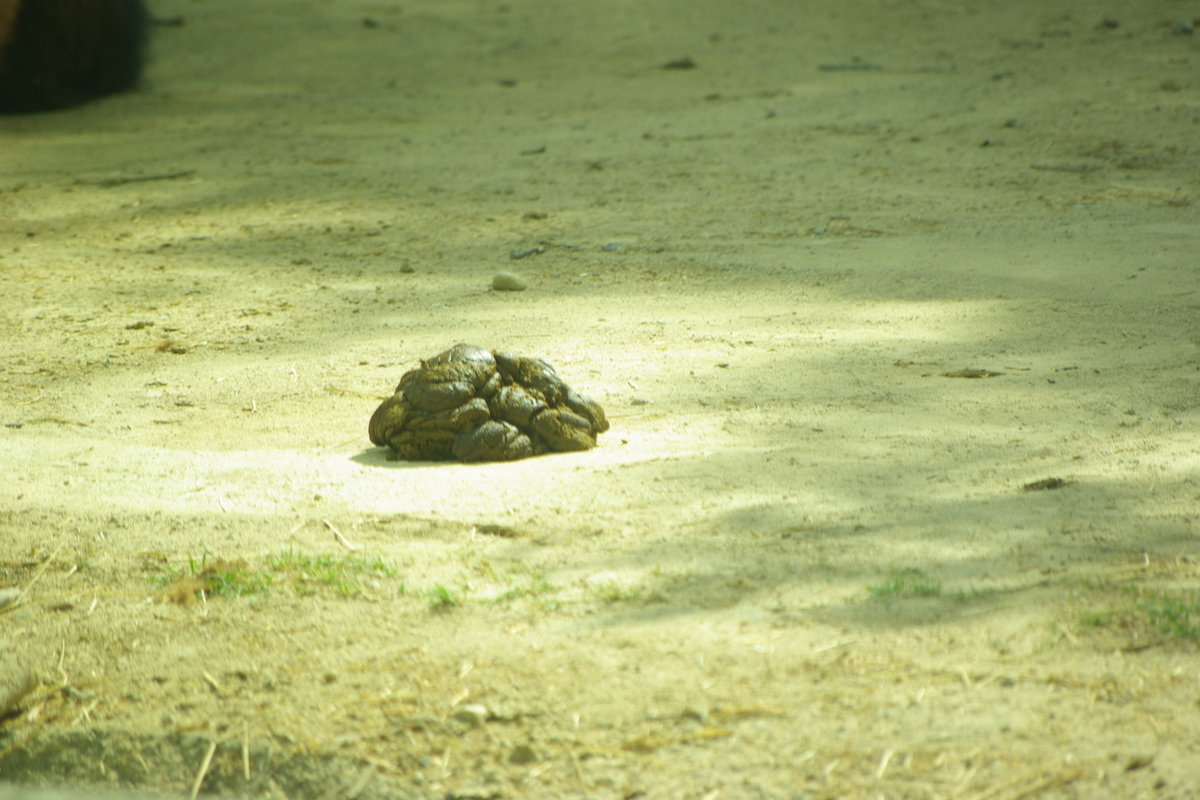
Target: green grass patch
x=1167, y=613
x=614, y=593
x=220, y=578
x=1096, y=619
x=307, y=574
x=236, y=579
x=443, y=599
x=1135, y=615
x=347, y=576
x=903, y=583
x=972, y=595
x=1174, y=616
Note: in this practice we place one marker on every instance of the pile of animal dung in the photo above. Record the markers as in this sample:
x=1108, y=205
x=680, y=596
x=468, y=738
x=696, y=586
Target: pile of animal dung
x=469, y=404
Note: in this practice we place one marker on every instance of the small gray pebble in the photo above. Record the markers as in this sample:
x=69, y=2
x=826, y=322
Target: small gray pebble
x=507, y=282
x=474, y=715
x=517, y=255
x=522, y=754
x=612, y=247
x=1183, y=26
x=639, y=401
x=818, y=230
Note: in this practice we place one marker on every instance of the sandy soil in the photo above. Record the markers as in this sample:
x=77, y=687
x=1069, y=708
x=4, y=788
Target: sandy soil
x=804, y=562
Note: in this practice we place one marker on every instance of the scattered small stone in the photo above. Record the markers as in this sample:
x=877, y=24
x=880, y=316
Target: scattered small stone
x=1140, y=761
x=1045, y=484
x=639, y=401
x=9, y=596
x=503, y=531
x=612, y=247
x=680, y=63
x=1183, y=27
x=522, y=754
x=474, y=715
x=517, y=255
x=407, y=268
x=508, y=282
x=972, y=373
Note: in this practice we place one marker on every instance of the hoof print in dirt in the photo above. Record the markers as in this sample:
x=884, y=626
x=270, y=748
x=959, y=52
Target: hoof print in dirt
x=468, y=404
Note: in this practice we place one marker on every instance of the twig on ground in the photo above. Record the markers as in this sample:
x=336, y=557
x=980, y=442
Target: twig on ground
x=86, y=712
x=345, y=542
x=339, y=444
x=62, y=673
x=20, y=598
x=883, y=764
x=212, y=682
x=212, y=748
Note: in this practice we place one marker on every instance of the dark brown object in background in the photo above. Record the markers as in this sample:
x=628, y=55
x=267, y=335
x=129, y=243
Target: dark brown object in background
x=470, y=404
x=61, y=53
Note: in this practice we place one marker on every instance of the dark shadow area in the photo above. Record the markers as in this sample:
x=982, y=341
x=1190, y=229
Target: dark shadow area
x=379, y=457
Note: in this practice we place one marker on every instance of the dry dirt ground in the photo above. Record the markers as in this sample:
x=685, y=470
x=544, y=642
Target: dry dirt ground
x=811, y=559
